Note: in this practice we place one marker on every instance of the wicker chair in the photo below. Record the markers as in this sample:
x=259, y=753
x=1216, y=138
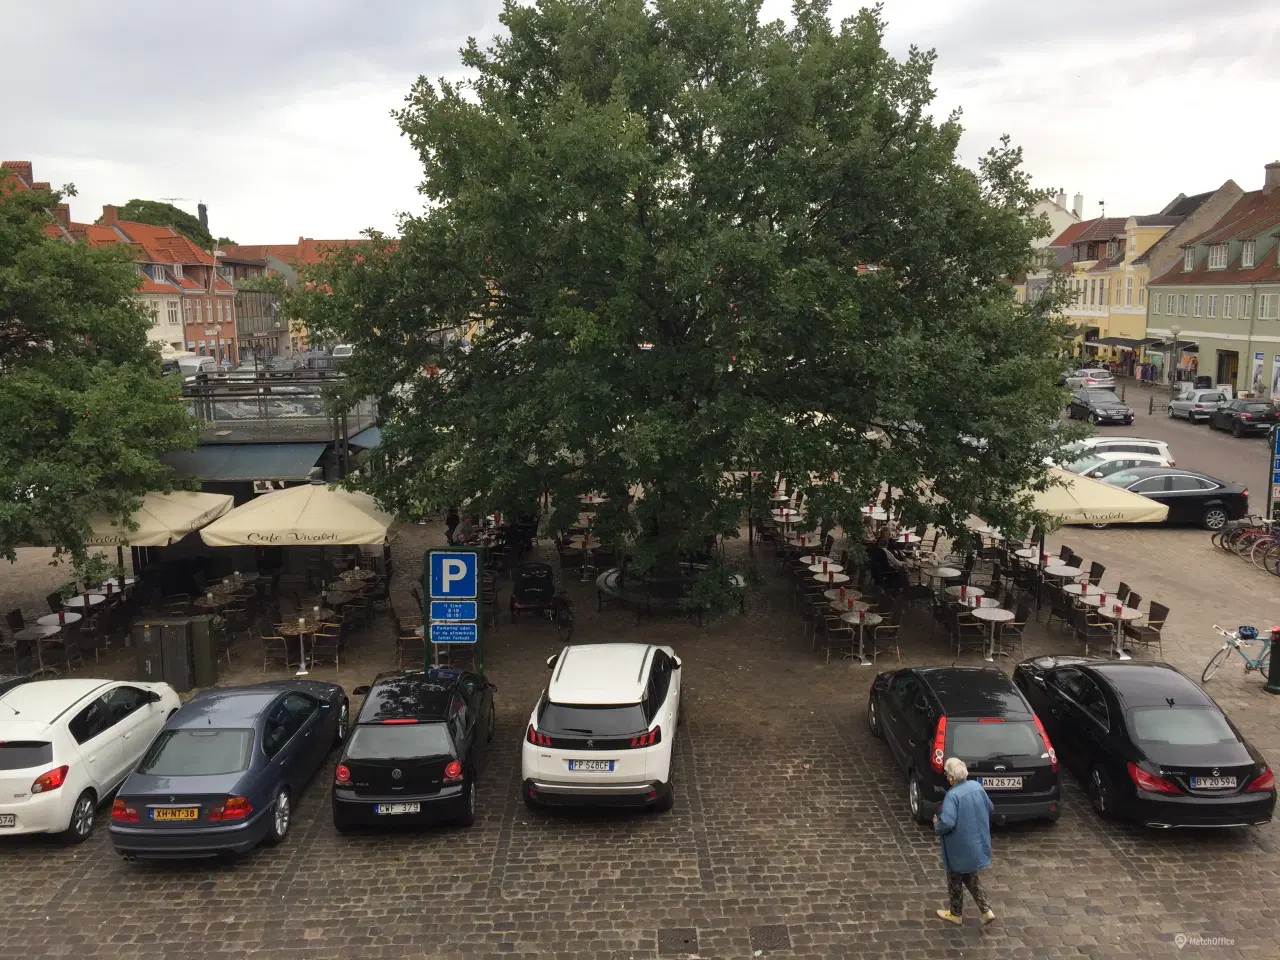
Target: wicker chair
x=275, y=648
x=1089, y=628
x=1014, y=631
x=326, y=645
x=1147, y=634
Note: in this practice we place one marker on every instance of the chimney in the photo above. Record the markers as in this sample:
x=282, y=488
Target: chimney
x=62, y=213
x=1061, y=198
x=1077, y=205
x=1272, y=179
x=110, y=215
x=19, y=168
x=204, y=215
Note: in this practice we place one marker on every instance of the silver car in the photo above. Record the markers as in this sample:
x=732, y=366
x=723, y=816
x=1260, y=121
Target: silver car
x=1091, y=379
x=1196, y=405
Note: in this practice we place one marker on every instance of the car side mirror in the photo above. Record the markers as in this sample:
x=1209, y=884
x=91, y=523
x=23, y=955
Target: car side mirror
x=361, y=691
x=551, y=660
x=154, y=697
x=1036, y=678
x=677, y=662
x=491, y=686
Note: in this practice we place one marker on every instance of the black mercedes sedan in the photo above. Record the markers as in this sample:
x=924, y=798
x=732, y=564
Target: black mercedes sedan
x=225, y=772
x=927, y=714
x=1099, y=406
x=1148, y=743
x=419, y=742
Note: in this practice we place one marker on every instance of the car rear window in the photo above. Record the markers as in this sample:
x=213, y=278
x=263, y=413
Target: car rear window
x=21, y=754
x=1084, y=464
x=399, y=741
x=1257, y=408
x=209, y=752
x=592, y=721
x=1180, y=726
x=972, y=740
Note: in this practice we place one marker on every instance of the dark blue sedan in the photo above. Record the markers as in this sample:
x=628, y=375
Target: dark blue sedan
x=224, y=773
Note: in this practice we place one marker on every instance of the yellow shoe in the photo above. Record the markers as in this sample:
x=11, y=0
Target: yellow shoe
x=950, y=917
x=988, y=917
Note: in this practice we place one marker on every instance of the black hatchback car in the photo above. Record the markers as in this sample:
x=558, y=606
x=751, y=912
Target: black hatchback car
x=419, y=742
x=1148, y=743
x=1243, y=417
x=927, y=714
x=1099, y=406
x=1191, y=497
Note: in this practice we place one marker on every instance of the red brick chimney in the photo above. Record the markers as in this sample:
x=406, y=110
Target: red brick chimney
x=1272, y=179
x=41, y=185
x=110, y=215
x=19, y=168
x=62, y=213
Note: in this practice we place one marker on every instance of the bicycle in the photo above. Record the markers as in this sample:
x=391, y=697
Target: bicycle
x=1238, y=641
x=561, y=612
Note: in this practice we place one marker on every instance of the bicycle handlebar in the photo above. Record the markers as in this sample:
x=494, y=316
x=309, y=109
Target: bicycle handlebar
x=1226, y=633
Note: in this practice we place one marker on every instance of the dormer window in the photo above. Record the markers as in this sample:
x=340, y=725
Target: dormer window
x=1247, y=254
x=1133, y=244
x=1188, y=259
x=1218, y=256
x=157, y=273
x=177, y=270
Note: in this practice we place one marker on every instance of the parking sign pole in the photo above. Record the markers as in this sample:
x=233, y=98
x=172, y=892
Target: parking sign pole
x=452, y=586
x=1273, y=488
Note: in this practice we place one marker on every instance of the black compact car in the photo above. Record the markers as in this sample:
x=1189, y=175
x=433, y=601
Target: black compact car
x=417, y=746
x=225, y=772
x=1243, y=417
x=1148, y=743
x=1099, y=406
x=927, y=714
x=1191, y=497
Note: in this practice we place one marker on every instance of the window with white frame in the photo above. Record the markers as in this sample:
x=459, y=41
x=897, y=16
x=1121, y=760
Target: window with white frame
x=1228, y=306
x=1189, y=259
x=1155, y=304
x=157, y=273
x=1212, y=306
x=208, y=311
x=174, y=318
x=1172, y=305
x=1197, y=309
x=1133, y=244
x=187, y=312
x=1247, y=253
x=1218, y=256
x=1182, y=304
x=177, y=270
x=1128, y=291
x=219, y=311
x=1246, y=306
x=155, y=311
x=1269, y=306
x=1142, y=293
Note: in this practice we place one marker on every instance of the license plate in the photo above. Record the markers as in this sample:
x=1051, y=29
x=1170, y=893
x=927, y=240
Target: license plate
x=1001, y=783
x=1213, y=783
x=8, y=819
x=393, y=808
x=596, y=766
x=175, y=813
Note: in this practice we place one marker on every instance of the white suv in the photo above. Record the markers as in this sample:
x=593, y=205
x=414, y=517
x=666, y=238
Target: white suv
x=66, y=744
x=1107, y=443
x=603, y=730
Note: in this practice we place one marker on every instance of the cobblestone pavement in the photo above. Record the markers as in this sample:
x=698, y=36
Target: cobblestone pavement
x=789, y=836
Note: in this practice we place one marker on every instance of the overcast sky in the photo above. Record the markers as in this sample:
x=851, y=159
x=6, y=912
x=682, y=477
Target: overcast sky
x=275, y=113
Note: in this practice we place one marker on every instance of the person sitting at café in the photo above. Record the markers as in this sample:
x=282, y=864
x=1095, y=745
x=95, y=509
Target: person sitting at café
x=887, y=568
x=465, y=532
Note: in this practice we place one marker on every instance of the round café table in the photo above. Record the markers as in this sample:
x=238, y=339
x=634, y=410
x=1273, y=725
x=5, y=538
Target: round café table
x=587, y=542
x=359, y=573
x=214, y=602
x=1027, y=553
x=843, y=593
x=301, y=627
x=1119, y=618
x=115, y=584
x=875, y=513
x=809, y=540
x=77, y=602
x=831, y=577
x=787, y=515
x=338, y=598
x=780, y=496
x=993, y=616
x=849, y=605
x=810, y=559
x=593, y=499
x=51, y=619
x=1083, y=590
x=862, y=620
x=941, y=573
x=909, y=538
x=37, y=636
x=1089, y=600
x=824, y=567
x=961, y=592
x=1062, y=572
x=979, y=603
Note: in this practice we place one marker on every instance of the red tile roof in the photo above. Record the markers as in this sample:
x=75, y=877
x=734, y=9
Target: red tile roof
x=164, y=244
x=98, y=234
x=150, y=286
x=1252, y=215
x=303, y=253
x=1103, y=229
x=1069, y=235
x=21, y=169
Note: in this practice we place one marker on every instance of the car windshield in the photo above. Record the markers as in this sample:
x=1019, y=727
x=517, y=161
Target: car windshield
x=205, y=752
x=1180, y=726
x=21, y=754
x=985, y=741
x=1084, y=464
x=1101, y=396
x=399, y=741
x=592, y=721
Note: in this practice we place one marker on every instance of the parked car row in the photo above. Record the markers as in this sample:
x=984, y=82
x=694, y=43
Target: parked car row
x=1241, y=416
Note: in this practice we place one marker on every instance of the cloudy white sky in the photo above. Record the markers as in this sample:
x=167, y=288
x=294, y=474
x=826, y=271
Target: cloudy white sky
x=275, y=113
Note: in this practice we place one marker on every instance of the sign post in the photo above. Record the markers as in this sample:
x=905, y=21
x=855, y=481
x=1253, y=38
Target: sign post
x=452, y=586
x=1273, y=488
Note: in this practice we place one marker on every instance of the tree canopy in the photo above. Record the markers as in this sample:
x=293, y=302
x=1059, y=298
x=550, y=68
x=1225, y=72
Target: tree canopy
x=699, y=243
x=161, y=214
x=86, y=412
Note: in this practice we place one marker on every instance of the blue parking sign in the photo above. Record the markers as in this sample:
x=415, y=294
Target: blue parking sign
x=454, y=575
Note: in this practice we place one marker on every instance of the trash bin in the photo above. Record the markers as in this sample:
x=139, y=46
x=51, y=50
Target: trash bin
x=1204, y=383
x=204, y=651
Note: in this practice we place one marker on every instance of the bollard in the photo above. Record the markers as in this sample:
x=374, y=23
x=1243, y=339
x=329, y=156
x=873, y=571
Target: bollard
x=1151, y=405
x=1122, y=386
x=1273, y=665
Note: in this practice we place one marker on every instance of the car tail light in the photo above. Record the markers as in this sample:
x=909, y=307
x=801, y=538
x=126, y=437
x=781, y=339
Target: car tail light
x=400, y=720
x=1266, y=780
x=1053, y=754
x=1150, y=782
x=342, y=774
x=1246, y=416
x=123, y=813
x=51, y=780
x=992, y=720
x=453, y=772
x=1199, y=406
x=235, y=808
x=648, y=739
x=539, y=739
x=940, y=744
x=1245, y=493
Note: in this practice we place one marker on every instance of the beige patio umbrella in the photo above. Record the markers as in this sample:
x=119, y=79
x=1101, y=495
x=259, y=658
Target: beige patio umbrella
x=1080, y=500
x=313, y=514
x=163, y=519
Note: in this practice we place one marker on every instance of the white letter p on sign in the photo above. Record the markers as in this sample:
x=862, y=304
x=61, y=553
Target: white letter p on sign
x=451, y=571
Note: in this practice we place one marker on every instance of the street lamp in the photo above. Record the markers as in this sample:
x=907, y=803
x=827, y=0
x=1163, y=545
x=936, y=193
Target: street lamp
x=1175, y=330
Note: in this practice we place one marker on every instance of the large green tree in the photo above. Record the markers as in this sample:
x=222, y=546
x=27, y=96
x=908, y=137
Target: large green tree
x=700, y=243
x=86, y=413
x=161, y=214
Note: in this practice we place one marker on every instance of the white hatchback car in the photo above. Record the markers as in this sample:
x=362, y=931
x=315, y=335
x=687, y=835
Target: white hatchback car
x=65, y=745
x=603, y=730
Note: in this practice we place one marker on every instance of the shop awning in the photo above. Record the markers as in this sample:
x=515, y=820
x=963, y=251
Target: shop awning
x=1124, y=343
x=230, y=462
x=368, y=438
x=1187, y=346
x=311, y=514
x=1074, y=499
x=162, y=519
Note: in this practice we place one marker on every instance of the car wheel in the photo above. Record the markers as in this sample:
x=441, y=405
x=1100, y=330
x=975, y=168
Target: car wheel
x=915, y=800
x=1236, y=430
x=340, y=823
x=1171, y=413
x=467, y=816
x=1099, y=526
x=280, y=819
x=1215, y=518
x=1093, y=419
x=1100, y=794
x=83, y=815
x=344, y=722
x=667, y=799
x=873, y=717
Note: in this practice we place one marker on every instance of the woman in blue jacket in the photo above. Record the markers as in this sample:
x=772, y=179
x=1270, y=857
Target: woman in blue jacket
x=965, y=828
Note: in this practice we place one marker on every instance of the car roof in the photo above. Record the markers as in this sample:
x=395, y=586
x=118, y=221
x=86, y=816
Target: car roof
x=600, y=673
x=43, y=701
x=1157, y=471
x=1143, y=684
x=1098, y=440
x=228, y=706
x=417, y=694
x=975, y=692
x=1106, y=455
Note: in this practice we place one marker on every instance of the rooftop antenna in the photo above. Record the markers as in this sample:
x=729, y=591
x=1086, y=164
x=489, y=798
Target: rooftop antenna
x=1103, y=205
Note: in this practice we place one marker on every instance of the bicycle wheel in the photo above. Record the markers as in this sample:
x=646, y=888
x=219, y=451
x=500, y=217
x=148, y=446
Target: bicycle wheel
x=1215, y=664
x=564, y=624
x=1261, y=547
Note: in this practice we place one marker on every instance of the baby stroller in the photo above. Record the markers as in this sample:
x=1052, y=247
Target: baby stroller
x=533, y=590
